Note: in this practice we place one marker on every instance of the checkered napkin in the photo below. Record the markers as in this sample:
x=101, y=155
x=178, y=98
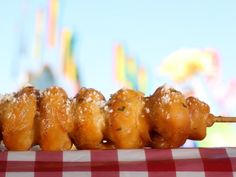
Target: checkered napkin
x=207, y=162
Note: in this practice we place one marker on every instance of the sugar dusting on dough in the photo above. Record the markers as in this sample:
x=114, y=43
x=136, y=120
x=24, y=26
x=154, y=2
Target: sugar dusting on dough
x=165, y=99
x=6, y=97
x=147, y=110
x=68, y=106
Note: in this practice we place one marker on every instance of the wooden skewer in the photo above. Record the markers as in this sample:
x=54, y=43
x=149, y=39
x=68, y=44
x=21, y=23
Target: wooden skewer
x=224, y=119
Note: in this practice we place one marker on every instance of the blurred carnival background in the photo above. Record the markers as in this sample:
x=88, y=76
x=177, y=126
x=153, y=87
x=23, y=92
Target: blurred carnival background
x=190, y=45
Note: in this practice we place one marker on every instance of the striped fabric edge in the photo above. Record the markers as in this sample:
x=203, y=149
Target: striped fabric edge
x=142, y=162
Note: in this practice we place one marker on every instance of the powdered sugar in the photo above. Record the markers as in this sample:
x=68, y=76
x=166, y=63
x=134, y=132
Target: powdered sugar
x=165, y=99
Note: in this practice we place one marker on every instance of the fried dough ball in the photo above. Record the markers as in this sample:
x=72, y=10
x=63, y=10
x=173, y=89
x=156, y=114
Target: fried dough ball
x=2, y=100
x=200, y=118
x=169, y=118
x=127, y=126
x=55, y=120
x=89, y=122
x=18, y=119
x=0, y=134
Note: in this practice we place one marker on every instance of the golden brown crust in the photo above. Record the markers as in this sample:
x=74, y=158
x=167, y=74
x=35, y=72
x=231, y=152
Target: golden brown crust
x=2, y=105
x=169, y=118
x=18, y=119
x=54, y=120
x=198, y=113
x=127, y=126
x=127, y=120
x=89, y=122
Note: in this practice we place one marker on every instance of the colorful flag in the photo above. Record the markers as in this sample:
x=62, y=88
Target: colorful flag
x=69, y=66
x=128, y=72
x=53, y=12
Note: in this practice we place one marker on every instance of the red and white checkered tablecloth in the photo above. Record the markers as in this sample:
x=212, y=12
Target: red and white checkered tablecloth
x=183, y=162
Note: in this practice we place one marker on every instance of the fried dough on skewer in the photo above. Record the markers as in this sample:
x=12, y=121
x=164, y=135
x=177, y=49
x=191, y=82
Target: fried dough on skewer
x=166, y=119
x=199, y=118
x=127, y=126
x=169, y=117
x=89, y=122
x=55, y=120
x=18, y=119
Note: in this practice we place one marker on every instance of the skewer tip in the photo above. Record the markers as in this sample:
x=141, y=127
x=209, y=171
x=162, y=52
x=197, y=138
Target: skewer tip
x=225, y=119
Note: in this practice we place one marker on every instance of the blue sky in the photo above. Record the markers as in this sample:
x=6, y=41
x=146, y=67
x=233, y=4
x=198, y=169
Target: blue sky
x=150, y=30
x=153, y=29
